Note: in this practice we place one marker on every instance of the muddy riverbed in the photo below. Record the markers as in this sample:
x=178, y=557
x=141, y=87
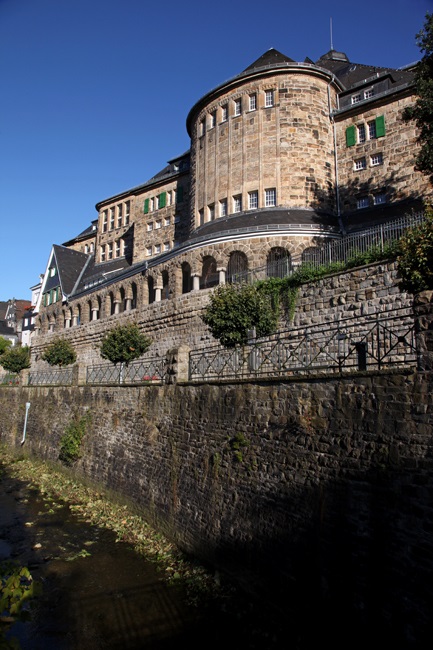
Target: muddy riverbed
x=98, y=593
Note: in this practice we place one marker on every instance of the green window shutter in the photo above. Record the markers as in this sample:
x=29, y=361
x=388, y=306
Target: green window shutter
x=380, y=126
x=146, y=206
x=179, y=195
x=350, y=136
x=162, y=199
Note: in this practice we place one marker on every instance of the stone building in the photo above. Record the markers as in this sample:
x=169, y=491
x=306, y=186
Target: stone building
x=284, y=156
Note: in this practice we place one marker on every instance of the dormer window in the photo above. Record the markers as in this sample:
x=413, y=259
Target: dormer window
x=52, y=272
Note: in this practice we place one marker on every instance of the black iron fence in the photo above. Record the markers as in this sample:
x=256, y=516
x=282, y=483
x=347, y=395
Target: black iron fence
x=52, y=377
x=145, y=371
x=373, y=342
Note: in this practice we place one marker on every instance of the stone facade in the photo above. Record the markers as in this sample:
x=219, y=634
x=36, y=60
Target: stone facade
x=284, y=157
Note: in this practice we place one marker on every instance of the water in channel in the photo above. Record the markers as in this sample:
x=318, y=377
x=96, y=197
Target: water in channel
x=96, y=593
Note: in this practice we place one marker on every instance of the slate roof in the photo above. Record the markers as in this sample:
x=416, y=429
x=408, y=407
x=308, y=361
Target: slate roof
x=276, y=217
x=70, y=265
x=269, y=58
x=350, y=74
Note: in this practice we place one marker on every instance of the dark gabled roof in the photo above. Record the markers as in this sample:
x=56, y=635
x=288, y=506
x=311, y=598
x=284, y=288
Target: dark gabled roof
x=351, y=74
x=70, y=265
x=89, y=232
x=175, y=166
x=269, y=58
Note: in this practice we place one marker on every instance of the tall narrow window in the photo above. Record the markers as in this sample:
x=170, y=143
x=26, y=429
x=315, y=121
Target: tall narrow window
x=102, y=253
x=253, y=200
x=237, y=203
x=211, y=212
x=105, y=221
x=201, y=217
x=237, y=107
x=270, y=197
x=117, y=251
x=111, y=218
x=110, y=250
x=212, y=121
x=223, y=208
x=269, y=98
x=119, y=215
x=372, y=130
x=127, y=212
x=202, y=128
x=253, y=102
x=224, y=113
x=361, y=133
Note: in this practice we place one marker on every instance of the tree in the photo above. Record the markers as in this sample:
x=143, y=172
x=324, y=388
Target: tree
x=234, y=309
x=4, y=344
x=123, y=344
x=16, y=359
x=59, y=353
x=422, y=111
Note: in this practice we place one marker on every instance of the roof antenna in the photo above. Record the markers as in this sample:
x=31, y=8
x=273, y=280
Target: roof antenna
x=330, y=28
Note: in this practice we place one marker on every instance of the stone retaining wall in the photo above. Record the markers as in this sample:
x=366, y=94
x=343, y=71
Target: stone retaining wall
x=316, y=494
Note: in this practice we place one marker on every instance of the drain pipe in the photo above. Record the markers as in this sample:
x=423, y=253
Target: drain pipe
x=25, y=423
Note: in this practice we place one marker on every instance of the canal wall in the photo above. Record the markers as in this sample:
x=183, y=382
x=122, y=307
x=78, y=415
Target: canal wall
x=316, y=494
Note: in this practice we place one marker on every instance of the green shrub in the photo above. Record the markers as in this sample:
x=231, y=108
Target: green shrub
x=15, y=359
x=124, y=343
x=59, y=353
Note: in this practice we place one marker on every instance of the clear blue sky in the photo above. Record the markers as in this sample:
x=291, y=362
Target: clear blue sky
x=95, y=94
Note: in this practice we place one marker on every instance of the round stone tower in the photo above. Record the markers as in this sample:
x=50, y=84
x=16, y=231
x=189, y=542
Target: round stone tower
x=264, y=142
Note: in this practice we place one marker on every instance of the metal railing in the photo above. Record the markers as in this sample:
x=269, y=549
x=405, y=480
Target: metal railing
x=377, y=341
x=10, y=379
x=379, y=237
x=61, y=377
x=145, y=371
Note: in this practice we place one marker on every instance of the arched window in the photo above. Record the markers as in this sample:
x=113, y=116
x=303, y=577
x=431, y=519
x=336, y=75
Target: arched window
x=186, y=278
x=278, y=263
x=165, y=294
x=209, y=275
x=112, y=304
x=237, y=268
x=311, y=255
x=78, y=315
x=122, y=305
x=134, y=296
x=151, y=289
x=89, y=311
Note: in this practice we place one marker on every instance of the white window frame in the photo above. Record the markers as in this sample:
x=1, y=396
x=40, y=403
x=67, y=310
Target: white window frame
x=212, y=120
x=224, y=113
x=237, y=109
x=376, y=159
x=167, y=221
x=110, y=250
x=127, y=212
x=202, y=128
x=253, y=200
x=223, y=208
x=237, y=203
x=371, y=126
x=112, y=217
x=157, y=249
x=102, y=253
x=119, y=215
x=359, y=164
x=150, y=226
x=361, y=133
x=149, y=251
x=166, y=246
x=356, y=98
x=269, y=98
x=368, y=92
x=270, y=197
x=252, y=102
x=158, y=224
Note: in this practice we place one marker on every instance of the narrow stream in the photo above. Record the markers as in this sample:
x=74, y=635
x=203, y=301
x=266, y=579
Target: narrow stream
x=98, y=593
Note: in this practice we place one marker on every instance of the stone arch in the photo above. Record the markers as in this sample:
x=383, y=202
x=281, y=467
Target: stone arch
x=151, y=289
x=278, y=262
x=186, y=277
x=209, y=274
x=311, y=255
x=237, y=267
x=165, y=289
